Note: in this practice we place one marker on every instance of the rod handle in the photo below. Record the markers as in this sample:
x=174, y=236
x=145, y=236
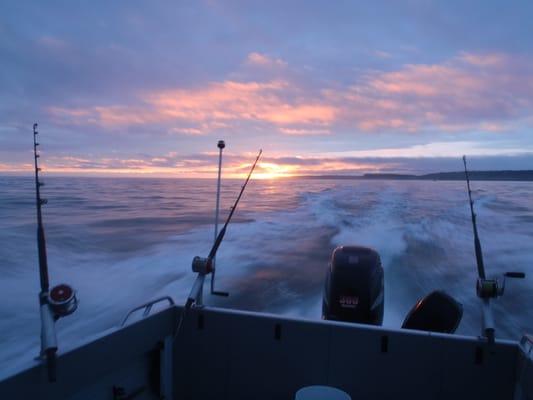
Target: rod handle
x=519, y=275
x=51, y=364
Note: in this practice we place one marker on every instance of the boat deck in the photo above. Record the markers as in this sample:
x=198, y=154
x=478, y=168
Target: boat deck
x=228, y=354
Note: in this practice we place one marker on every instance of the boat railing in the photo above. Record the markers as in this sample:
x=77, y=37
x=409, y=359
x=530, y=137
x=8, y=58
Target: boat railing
x=147, y=307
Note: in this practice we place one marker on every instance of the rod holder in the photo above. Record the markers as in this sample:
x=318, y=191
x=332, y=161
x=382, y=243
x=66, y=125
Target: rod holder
x=221, y=145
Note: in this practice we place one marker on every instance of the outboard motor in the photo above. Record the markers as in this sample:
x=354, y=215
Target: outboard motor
x=354, y=286
x=437, y=312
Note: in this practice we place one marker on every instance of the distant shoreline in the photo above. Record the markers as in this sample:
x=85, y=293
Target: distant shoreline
x=522, y=176
x=498, y=176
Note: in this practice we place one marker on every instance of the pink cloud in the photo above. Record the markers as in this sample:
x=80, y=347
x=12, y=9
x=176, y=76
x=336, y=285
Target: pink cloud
x=304, y=131
x=483, y=60
x=471, y=91
x=209, y=108
x=204, y=164
x=199, y=165
x=263, y=60
x=231, y=100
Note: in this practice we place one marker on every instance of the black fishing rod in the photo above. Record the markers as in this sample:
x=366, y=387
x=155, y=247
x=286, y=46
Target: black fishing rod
x=48, y=334
x=477, y=243
x=204, y=266
x=222, y=232
x=486, y=289
x=41, y=242
x=61, y=300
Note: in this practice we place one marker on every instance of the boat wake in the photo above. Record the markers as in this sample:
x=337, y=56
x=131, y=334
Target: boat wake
x=274, y=257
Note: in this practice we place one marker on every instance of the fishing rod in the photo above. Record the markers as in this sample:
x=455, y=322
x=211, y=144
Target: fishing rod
x=477, y=243
x=41, y=242
x=61, y=300
x=204, y=265
x=486, y=289
x=48, y=334
x=220, y=236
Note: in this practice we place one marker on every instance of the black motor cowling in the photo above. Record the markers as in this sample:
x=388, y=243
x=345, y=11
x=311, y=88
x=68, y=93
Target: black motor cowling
x=437, y=312
x=354, y=286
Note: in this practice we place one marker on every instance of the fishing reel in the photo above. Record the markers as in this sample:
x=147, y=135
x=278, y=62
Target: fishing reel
x=62, y=300
x=493, y=288
x=202, y=265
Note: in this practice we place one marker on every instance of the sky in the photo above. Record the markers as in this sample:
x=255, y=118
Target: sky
x=147, y=88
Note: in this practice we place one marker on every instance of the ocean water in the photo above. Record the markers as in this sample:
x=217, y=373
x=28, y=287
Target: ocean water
x=123, y=241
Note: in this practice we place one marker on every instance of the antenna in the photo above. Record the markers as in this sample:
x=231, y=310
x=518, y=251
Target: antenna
x=486, y=289
x=204, y=266
x=61, y=300
x=220, y=146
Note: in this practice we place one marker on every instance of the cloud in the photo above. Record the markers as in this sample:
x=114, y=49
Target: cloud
x=198, y=165
x=484, y=60
x=451, y=149
x=232, y=100
x=382, y=54
x=258, y=59
x=209, y=108
x=52, y=43
x=413, y=159
x=469, y=92
x=304, y=132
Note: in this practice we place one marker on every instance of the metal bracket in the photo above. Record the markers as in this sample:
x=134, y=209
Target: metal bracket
x=148, y=307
